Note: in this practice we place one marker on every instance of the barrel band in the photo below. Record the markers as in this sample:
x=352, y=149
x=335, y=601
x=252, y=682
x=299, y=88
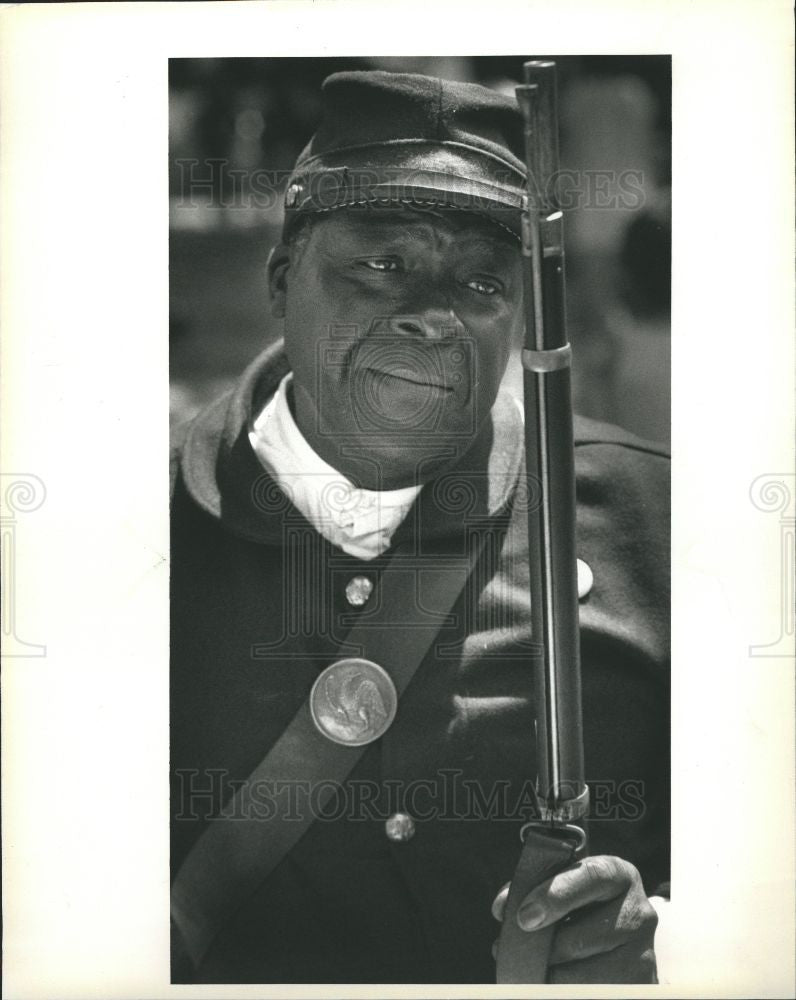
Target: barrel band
x=547, y=361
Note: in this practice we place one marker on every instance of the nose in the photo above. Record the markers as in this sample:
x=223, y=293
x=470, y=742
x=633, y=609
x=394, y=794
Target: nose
x=431, y=324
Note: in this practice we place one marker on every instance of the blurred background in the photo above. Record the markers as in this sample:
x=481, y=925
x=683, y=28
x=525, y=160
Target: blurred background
x=237, y=126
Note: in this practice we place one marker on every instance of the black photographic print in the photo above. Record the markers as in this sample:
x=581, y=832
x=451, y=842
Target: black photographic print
x=419, y=368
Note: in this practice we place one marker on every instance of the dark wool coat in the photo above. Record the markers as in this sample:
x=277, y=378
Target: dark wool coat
x=258, y=607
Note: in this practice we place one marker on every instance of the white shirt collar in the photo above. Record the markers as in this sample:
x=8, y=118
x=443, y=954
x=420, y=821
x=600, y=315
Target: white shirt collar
x=361, y=522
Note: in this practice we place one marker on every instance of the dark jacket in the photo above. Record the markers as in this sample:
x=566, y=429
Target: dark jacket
x=258, y=607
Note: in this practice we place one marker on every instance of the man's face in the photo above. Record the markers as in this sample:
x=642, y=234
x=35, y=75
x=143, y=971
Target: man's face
x=398, y=326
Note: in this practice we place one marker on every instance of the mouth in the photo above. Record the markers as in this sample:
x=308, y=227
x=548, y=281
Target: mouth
x=408, y=376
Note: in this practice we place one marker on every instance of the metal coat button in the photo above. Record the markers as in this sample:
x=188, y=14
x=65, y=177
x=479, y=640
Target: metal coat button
x=400, y=827
x=585, y=579
x=358, y=590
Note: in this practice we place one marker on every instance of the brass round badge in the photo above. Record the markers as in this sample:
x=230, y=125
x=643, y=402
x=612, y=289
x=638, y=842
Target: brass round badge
x=353, y=702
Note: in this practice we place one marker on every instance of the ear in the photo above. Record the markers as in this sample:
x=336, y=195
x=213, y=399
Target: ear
x=278, y=266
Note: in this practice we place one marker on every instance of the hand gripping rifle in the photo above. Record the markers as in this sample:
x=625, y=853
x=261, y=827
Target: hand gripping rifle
x=552, y=840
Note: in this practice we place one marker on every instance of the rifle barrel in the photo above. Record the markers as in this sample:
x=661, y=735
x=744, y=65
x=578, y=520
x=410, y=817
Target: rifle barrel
x=562, y=792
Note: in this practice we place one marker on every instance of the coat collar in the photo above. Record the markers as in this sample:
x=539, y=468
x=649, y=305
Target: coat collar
x=225, y=478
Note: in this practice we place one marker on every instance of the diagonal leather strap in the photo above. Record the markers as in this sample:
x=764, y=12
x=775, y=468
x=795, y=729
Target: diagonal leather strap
x=237, y=850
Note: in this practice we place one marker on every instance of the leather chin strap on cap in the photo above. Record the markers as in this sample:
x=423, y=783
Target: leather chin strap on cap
x=404, y=173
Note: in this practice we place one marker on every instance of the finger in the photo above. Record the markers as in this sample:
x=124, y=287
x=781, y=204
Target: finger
x=499, y=902
x=630, y=963
x=604, y=927
x=591, y=880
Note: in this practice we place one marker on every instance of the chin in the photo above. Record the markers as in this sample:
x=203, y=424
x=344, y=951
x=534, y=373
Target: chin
x=395, y=462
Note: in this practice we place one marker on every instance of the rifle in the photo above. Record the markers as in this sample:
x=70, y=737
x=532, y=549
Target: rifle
x=553, y=839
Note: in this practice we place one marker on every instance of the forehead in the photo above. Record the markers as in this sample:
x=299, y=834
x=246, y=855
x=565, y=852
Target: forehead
x=419, y=225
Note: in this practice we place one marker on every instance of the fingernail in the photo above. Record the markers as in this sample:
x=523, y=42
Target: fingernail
x=499, y=902
x=531, y=916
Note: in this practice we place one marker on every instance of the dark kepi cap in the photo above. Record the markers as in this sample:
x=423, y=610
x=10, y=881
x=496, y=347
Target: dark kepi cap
x=392, y=138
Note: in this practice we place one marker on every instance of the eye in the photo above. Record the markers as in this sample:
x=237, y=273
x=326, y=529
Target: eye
x=380, y=264
x=483, y=286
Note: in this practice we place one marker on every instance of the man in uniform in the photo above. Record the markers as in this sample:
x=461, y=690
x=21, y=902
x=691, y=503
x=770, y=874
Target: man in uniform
x=353, y=757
